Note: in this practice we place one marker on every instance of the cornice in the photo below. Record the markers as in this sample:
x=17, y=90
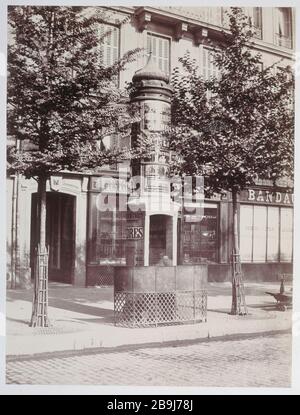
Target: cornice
x=196, y=25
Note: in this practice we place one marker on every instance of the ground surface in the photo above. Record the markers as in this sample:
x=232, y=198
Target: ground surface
x=253, y=362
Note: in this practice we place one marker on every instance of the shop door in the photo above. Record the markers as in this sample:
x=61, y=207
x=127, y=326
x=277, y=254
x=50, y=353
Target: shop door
x=60, y=235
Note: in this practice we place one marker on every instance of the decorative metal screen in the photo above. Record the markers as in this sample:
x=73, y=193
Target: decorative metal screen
x=105, y=276
x=153, y=308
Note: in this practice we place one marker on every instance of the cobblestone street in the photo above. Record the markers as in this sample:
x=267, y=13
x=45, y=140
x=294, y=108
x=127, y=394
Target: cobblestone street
x=254, y=362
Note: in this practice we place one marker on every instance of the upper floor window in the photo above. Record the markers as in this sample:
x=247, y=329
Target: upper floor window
x=208, y=66
x=254, y=15
x=109, y=44
x=256, y=21
x=160, y=48
x=211, y=15
x=225, y=17
x=283, y=27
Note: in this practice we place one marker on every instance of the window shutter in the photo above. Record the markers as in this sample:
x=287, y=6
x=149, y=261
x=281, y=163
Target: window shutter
x=205, y=63
x=217, y=16
x=160, y=48
x=209, y=68
x=109, y=46
x=283, y=25
x=225, y=18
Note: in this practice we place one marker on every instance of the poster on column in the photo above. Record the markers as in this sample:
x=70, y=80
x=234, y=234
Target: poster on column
x=135, y=238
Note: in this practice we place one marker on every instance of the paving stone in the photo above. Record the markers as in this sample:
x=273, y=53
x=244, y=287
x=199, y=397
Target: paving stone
x=254, y=362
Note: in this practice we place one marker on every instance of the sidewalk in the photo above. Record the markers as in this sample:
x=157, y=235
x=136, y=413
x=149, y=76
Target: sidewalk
x=83, y=318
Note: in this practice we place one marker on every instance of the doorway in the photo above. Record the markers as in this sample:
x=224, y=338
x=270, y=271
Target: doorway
x=160, y=238
x=60, y=235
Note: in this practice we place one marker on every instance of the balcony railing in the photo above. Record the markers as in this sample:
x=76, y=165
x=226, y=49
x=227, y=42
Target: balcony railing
x=284, y=41
x=258, y=32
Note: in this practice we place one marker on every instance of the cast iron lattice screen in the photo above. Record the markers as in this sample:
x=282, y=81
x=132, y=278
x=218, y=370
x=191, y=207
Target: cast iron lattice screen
x=105, y=276
x=148, y=309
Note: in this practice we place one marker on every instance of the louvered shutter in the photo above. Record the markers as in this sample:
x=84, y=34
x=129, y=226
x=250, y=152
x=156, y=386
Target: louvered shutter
x=160, y=48
x=209, y=68
x=109, y=46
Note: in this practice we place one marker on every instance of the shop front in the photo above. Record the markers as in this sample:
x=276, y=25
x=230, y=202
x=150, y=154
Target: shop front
x=266, y=232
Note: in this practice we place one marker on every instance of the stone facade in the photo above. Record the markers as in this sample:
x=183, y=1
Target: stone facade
x=169, y=32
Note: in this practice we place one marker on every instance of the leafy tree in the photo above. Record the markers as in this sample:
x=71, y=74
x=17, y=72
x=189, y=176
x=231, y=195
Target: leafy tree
x=62, y=99
x=237, y=126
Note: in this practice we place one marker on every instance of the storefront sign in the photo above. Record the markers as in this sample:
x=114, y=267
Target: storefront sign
x=135, y=232
x=56, y=183
x=267, y=196
x=109, y=185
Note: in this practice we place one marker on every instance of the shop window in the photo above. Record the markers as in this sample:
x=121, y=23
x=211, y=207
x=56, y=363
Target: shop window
x=246, y=221
x=273, y=234
x=107, y=234
x=200, y=236
x=160, y=48
x=115, y=236
x=283, y=27
x=286, y=235
x=259, y=233
x=266, y=233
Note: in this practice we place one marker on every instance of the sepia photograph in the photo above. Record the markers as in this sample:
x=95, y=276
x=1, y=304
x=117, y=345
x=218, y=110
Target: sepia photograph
x=150, y=230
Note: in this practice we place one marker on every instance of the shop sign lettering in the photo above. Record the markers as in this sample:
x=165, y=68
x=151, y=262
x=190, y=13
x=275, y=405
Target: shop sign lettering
x=135, y=232
x=267, y=196
x=109, y=185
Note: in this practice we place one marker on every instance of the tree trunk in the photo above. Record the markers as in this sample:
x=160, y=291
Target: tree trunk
x=39, y=316
x=13, y=233
x=238, y=306
x=42, y=212
x=235, y=249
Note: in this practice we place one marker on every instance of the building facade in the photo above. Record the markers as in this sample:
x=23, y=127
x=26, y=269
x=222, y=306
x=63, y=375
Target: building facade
x=85, y=242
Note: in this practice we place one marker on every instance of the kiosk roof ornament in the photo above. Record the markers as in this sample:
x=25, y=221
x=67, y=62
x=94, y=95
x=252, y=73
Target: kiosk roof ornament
x=150, y=72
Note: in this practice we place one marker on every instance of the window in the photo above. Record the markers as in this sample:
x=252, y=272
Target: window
x=289, y=78
x=208, y=67
x=109, y=44
x=266, y=233
x=225, y=17
x=200, y=236
x=286, y=235
x=259, y=233
x=160, y=48
x=283, y=27
x=273, y=234
x=256, y=21
x=255, y=18
x=211, y=15
x=107, y=233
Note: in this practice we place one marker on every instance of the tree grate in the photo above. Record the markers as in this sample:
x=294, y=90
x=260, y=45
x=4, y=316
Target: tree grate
x=152, y=308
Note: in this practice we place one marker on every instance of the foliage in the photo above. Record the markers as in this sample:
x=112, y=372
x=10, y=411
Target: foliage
x=238, y=126
x=62, y=99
